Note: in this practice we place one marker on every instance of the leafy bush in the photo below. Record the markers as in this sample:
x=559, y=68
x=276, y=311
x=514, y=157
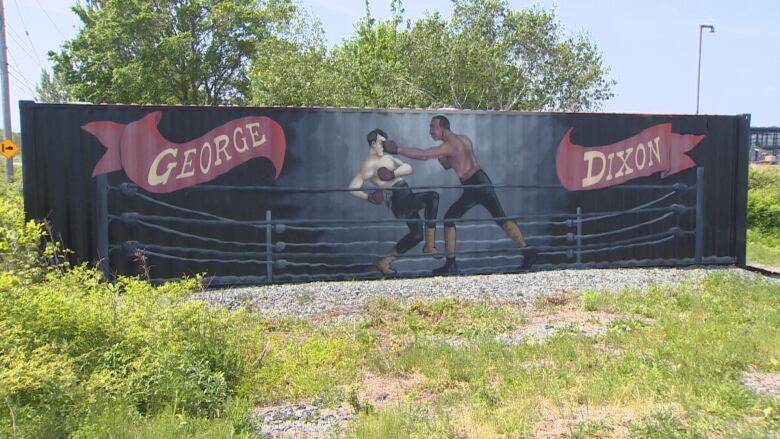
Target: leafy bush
x=80, y=356
x=72, y=343
x=764, y=200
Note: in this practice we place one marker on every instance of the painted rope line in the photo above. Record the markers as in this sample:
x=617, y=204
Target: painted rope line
x=287, y=262
x=315, y=190
x=129, y=248
x=591, y=216
x=131, y=217
x=628, y=228
x=198, y=237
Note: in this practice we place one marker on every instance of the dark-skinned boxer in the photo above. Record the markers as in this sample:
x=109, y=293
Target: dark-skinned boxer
x=457, y=153
x=385, y=172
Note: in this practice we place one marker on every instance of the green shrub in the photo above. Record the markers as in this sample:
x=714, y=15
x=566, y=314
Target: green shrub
x=76, y=351
x=72, y=341
x=764, y=210
x=764, y=177
x=764, y=200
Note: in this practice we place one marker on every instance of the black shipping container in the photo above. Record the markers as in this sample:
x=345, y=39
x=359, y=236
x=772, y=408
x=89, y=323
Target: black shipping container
x=256, y=195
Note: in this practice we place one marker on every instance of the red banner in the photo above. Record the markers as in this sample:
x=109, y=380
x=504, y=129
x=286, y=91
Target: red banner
x=159, y=165
x=655, y=149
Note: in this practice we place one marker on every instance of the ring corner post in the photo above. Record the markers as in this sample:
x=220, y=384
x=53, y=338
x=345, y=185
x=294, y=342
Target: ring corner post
x=269, y=248
x=579, y=235
x=699, y=246
x=101, y=221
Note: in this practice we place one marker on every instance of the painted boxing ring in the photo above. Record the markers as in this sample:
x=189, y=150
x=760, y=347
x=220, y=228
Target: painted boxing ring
x=578, y=245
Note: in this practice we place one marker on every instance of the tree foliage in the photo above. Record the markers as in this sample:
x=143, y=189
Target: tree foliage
x=52, y=88
x=487, y=56
x=270, y=52
x=167, y=51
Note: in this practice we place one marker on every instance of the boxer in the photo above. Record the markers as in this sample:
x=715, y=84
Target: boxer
x=457, y=153
x=386, y=172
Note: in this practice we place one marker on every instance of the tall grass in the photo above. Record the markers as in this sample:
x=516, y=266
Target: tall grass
x=763, y=244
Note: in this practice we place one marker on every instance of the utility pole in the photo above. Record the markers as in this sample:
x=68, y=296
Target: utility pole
x=4, y=91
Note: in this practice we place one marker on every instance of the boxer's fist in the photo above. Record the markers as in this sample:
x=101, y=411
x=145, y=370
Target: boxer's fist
x=445, y=162
x=376, y=197
x=390, y=146
x=385, y=174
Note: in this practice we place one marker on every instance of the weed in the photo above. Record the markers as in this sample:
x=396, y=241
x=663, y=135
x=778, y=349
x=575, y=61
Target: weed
x=664, y=424
x=353, y=398
x=304, y=296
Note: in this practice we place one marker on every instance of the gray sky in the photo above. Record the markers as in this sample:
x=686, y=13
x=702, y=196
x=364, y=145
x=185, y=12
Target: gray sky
x=650, y=46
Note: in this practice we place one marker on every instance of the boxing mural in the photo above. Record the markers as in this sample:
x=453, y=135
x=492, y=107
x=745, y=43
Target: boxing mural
x=262, y=195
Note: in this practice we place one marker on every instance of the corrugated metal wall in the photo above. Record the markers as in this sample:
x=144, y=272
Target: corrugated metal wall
x=324, y=149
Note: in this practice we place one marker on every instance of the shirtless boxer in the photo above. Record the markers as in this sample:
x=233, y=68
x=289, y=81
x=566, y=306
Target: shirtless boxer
x=457, y=153
x=385, y=172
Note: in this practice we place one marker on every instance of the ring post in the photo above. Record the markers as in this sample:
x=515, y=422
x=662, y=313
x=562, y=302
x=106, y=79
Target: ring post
x=699, y=215
x=579, y=235
x=269, y=248
x=101, y=214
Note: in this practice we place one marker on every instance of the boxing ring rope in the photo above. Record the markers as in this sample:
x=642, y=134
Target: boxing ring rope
x=277, y=255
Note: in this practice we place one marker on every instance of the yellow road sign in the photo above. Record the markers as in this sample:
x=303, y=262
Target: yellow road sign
x=8, y=148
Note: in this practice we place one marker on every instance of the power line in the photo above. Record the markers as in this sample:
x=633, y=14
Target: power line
x=24, y=49
x=52, y=21
x=19, y=39
x=12, y=64
x=26, y=32
x=22, y=81
x=21, y=84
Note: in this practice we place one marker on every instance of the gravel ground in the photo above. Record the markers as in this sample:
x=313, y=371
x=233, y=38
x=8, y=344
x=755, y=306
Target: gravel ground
x=302, y=421
x=339, y=299
x=336, y=301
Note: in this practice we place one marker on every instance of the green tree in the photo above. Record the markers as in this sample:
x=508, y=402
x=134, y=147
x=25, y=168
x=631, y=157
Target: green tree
x=487, y=56
x=167, y=51
x=295, y=68
x=52, y=88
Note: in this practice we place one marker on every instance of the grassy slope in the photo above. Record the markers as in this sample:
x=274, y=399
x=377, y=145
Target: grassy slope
x=680, y=373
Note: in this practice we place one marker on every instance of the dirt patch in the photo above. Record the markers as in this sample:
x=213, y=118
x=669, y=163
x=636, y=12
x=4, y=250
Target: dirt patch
x=764, y=383
x=310, y=421
x=390, y=391
x=545, y=319
x=602, y=421
x=393, y=342
x=545, y=322
x=556, y=298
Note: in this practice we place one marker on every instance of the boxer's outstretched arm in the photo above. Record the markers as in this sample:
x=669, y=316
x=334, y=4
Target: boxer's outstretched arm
x=433, y=152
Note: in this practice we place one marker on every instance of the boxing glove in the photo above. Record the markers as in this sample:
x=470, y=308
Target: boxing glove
x=390, y=146
x=376, y=197
x=385, y=174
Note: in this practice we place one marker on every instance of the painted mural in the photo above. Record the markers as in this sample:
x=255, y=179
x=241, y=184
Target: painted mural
x=265, y=195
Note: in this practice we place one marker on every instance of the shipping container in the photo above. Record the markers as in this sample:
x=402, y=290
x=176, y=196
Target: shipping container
x=249, y=195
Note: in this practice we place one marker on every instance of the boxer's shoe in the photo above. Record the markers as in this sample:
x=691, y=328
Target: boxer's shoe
x=384, y=264
x=449, y=267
